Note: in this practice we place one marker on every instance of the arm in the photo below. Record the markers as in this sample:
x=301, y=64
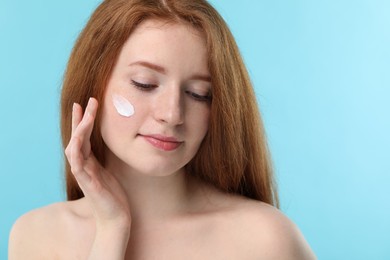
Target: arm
x=103, y=192
x=284, y=240
x=268, y=234
x=109, y=244
x=25, y=234
x=35, y=234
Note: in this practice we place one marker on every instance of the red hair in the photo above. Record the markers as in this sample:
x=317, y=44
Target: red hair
x=234, y=156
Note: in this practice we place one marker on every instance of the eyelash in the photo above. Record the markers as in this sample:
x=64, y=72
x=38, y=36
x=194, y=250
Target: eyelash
x=142, y=86
x=200, y=98
x=149, y=87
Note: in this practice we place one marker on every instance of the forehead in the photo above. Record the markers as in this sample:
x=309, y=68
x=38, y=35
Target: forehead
x=169, y=43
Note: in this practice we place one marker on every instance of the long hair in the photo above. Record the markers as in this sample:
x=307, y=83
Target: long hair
x=233, y=156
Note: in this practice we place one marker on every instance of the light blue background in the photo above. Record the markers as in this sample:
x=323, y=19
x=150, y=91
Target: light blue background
x=322, y=75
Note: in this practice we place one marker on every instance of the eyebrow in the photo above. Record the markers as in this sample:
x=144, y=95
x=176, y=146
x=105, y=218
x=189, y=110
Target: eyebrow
x=162, y=70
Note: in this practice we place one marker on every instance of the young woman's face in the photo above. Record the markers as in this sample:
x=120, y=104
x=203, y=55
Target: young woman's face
x=162, y=73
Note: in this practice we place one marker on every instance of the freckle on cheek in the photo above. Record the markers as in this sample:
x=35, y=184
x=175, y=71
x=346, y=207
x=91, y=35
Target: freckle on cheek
x=122, y=105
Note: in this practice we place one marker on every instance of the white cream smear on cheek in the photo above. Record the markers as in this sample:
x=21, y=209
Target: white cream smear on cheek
x=122, y=105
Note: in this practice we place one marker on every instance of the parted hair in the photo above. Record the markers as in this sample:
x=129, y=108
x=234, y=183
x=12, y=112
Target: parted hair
x=233, y=156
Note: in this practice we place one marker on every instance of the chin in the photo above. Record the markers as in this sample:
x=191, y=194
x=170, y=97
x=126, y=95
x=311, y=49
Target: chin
x=157, y=171
x=153, y=166
x=149, y=164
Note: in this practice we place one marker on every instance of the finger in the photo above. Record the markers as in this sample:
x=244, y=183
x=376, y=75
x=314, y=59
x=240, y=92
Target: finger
x=91, y=107
x=77, y=163
x=92, y=166
x=84, y=129
x=76, y=116
x=90, y=114
x=82, y=122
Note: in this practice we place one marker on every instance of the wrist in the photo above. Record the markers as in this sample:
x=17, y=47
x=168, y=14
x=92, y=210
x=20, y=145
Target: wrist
x=120, y=229
x=109, y=243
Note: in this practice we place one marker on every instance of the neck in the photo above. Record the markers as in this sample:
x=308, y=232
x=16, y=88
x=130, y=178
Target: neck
x=154, y=198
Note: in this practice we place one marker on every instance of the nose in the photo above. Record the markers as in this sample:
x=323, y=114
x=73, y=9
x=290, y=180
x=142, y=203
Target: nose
x=169, y=106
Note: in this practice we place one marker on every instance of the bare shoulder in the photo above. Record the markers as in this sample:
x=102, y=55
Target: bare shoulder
x=39, y=233
x=270, y=233
x=260, y=231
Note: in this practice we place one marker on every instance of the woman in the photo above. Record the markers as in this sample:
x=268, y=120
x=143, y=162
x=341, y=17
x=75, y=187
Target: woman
x=169, y=159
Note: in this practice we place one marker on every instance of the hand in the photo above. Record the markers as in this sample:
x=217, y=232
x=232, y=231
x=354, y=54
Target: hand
x=103, y=192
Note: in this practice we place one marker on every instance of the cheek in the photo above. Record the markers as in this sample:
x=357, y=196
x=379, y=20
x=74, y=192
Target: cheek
x=122, y=105
x=119, y=115
x=200, y=122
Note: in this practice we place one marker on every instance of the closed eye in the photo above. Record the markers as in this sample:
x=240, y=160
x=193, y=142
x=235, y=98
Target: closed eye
x=197, y=97
x=193, y=95
x=143, y=86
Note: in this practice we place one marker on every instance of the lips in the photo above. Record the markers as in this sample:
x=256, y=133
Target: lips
x=165, y=143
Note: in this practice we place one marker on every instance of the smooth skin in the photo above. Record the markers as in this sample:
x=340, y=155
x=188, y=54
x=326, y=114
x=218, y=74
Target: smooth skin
x=142, y=204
